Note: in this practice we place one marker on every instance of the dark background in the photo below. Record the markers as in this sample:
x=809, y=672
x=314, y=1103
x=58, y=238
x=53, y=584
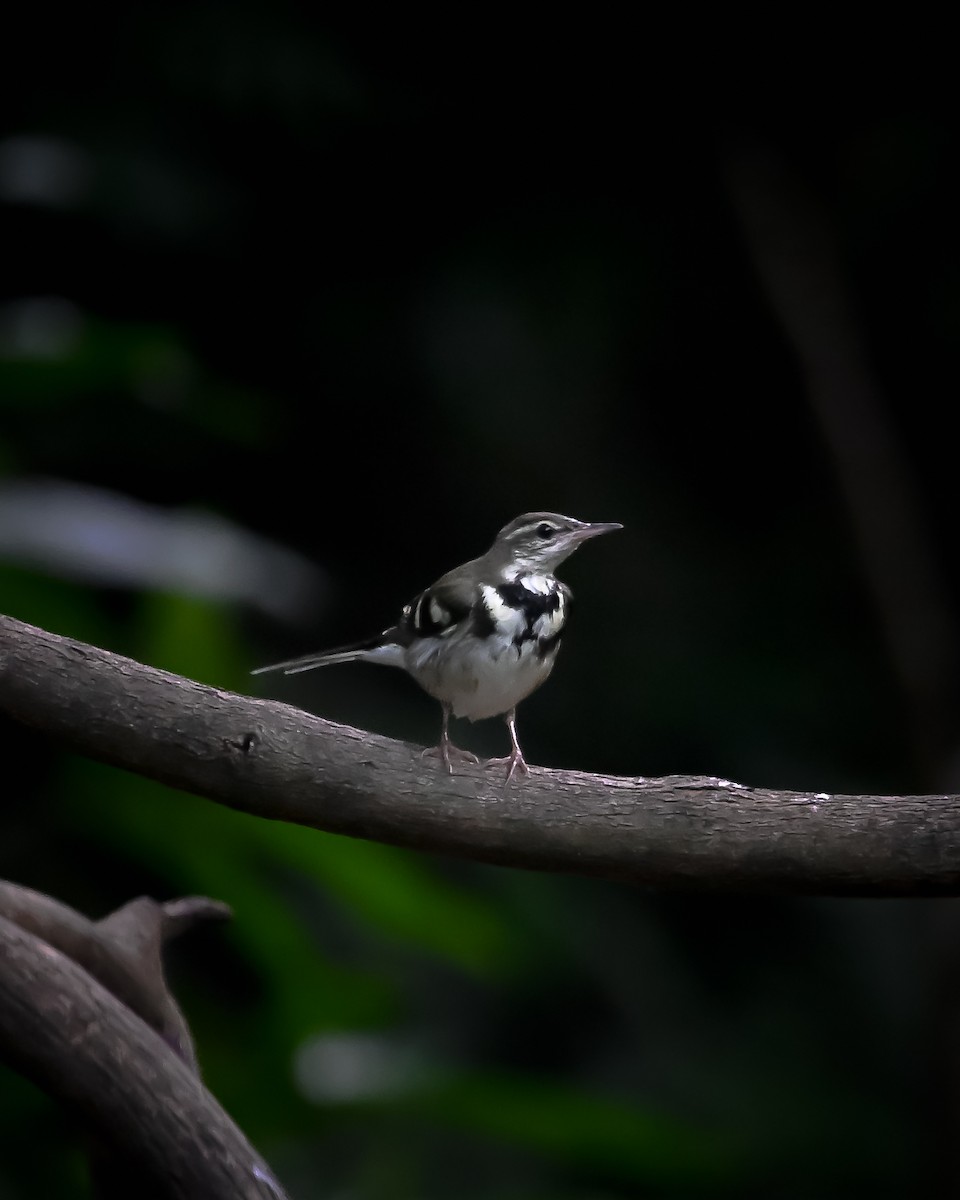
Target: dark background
x=295, y=313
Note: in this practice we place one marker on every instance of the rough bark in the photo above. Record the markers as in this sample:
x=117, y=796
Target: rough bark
x=278, y=762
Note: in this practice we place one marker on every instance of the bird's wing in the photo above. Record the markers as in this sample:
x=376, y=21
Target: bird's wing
x=445, y=606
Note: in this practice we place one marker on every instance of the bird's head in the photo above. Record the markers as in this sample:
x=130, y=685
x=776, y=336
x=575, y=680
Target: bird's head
x=540, y=541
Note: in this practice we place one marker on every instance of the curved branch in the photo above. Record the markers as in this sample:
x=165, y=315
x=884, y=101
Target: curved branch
x=123, y=951
x=275, y=761
x=62, y=1028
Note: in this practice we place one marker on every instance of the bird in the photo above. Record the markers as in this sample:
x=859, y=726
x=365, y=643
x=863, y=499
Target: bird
x=485, y=635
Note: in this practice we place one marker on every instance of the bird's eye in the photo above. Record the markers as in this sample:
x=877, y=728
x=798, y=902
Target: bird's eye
x=545, y=531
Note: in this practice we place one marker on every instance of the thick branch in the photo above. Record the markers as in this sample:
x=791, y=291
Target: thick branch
x=275, y=761
x=64, y=1030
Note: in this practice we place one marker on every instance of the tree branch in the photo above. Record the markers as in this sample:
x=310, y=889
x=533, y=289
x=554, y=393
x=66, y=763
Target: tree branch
x=123, y=951
x=274, y=761
x=156, y=1131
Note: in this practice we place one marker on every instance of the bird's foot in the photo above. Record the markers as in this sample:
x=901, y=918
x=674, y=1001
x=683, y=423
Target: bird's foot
x=449, y=754
x=513, y=762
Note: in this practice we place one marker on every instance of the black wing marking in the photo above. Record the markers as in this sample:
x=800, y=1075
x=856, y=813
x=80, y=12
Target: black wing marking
x=441, y=609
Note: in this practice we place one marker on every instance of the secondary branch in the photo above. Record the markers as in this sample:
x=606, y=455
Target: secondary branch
x=65, y=987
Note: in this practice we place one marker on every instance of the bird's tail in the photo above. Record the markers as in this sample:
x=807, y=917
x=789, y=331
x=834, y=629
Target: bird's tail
x=379, y=649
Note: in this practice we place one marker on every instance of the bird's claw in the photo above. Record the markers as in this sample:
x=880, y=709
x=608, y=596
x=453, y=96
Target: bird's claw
x=513, y=763
x=449, y=753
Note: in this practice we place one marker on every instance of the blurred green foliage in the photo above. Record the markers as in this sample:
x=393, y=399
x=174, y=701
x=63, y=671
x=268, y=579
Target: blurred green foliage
x=367, y=300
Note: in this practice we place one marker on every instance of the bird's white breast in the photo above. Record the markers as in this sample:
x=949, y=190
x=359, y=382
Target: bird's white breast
x=484, y=676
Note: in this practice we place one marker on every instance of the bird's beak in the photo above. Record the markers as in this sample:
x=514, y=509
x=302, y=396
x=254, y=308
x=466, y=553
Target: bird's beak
x=594, y=530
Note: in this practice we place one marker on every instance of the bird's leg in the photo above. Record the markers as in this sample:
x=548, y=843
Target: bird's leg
x=514, y=760
x=447, y=751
